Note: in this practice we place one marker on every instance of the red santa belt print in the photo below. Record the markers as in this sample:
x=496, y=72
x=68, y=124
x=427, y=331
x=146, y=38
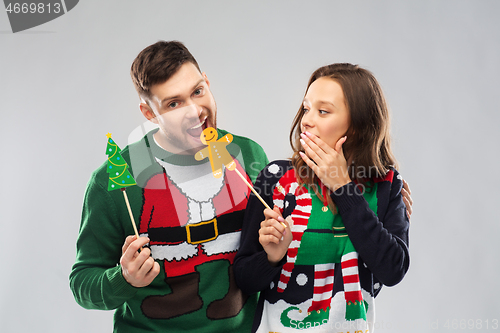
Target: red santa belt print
x=197, y=233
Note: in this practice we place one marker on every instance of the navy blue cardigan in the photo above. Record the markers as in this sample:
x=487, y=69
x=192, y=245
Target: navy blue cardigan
x=381, y=239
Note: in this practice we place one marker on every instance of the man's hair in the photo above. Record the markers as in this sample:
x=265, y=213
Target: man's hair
x=157, y=63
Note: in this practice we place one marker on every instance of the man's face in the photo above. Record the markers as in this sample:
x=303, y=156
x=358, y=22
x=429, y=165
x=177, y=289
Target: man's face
x=183, y=107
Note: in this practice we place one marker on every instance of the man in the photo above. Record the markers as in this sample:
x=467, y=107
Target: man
x=192, y=220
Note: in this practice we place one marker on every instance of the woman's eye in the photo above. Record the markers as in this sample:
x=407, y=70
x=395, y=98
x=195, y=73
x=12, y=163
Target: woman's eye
x=323, y=112
x=305, y=110
x=197, y=92
x=173, y=105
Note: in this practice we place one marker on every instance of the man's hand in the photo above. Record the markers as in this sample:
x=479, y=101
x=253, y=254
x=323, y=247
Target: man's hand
x=273, y=236
x=407, y=198
x=138, y=268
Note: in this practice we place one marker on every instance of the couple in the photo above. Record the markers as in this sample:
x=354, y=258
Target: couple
x=339, y=200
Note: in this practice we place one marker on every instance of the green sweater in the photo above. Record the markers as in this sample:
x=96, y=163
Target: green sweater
x=195, y=290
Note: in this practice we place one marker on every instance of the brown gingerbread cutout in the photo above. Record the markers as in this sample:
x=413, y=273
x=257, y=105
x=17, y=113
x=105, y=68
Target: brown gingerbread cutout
x=216, y=151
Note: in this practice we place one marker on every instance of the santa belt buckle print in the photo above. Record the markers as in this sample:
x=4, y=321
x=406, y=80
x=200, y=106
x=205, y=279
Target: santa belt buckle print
x=197, y=233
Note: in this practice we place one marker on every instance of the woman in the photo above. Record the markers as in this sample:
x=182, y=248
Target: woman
x=339, y=228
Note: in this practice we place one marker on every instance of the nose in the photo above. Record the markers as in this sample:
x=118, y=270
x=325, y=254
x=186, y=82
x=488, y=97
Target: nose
x=194, y=110
x=199, y=109
x=307, y=120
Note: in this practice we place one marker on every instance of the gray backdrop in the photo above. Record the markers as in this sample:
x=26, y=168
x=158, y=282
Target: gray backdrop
x=65, y=84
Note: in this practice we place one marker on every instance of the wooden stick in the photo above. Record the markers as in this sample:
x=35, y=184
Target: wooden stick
x=255, y=192
x=130, y=212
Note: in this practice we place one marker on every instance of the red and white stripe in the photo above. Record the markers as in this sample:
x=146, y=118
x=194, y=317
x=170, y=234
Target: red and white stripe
x=300, y=217
x=352, y=287
x=323, y=286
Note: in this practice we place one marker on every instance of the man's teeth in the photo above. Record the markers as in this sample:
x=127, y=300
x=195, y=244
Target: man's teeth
x=199, y=125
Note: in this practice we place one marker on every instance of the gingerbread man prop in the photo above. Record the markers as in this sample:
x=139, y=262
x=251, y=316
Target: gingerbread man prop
x=219, y=156
x=216, y=151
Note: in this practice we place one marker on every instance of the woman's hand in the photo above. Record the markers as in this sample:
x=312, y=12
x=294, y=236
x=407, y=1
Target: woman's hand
x=328, y=163
x=273, y=236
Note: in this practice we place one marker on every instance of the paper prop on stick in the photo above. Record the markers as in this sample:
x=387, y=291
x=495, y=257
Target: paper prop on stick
x=218, y=155
x=216, y=151
x=119, y=176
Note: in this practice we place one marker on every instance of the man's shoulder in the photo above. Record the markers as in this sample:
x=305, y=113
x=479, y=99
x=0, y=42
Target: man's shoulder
x=248, y=152
x=241, y=140
x=98, y=181
x=245, y=146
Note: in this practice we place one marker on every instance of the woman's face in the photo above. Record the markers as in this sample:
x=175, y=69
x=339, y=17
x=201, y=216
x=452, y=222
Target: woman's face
x=325, y=111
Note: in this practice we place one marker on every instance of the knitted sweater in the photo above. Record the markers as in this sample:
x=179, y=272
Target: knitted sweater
x=336, y=263
x=194, y=223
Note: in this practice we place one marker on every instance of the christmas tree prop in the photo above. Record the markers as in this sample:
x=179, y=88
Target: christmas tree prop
x=119, y=176
x=218, y=155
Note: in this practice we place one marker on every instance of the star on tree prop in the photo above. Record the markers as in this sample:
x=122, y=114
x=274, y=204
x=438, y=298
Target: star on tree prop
x=119, y=176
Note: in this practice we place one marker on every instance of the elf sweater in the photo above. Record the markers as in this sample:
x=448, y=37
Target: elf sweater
x=336, y=263
x=194, y=223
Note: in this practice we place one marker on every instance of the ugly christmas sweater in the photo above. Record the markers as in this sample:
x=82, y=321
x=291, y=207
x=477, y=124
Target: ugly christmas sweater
x=194, y=223
x=336, y=263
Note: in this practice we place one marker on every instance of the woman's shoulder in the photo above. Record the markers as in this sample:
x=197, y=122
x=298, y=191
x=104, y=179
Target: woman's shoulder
x=274, y=171
x=277, y=165
x=392, y=176
x=390, y=184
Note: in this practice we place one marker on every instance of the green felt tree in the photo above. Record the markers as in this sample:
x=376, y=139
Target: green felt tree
x=117, y=168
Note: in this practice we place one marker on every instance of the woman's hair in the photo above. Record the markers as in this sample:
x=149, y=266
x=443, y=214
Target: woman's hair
x=368, y=146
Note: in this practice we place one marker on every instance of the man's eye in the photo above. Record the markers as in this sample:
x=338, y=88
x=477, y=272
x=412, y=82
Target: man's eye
x=173, y=105
x=197, y=92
